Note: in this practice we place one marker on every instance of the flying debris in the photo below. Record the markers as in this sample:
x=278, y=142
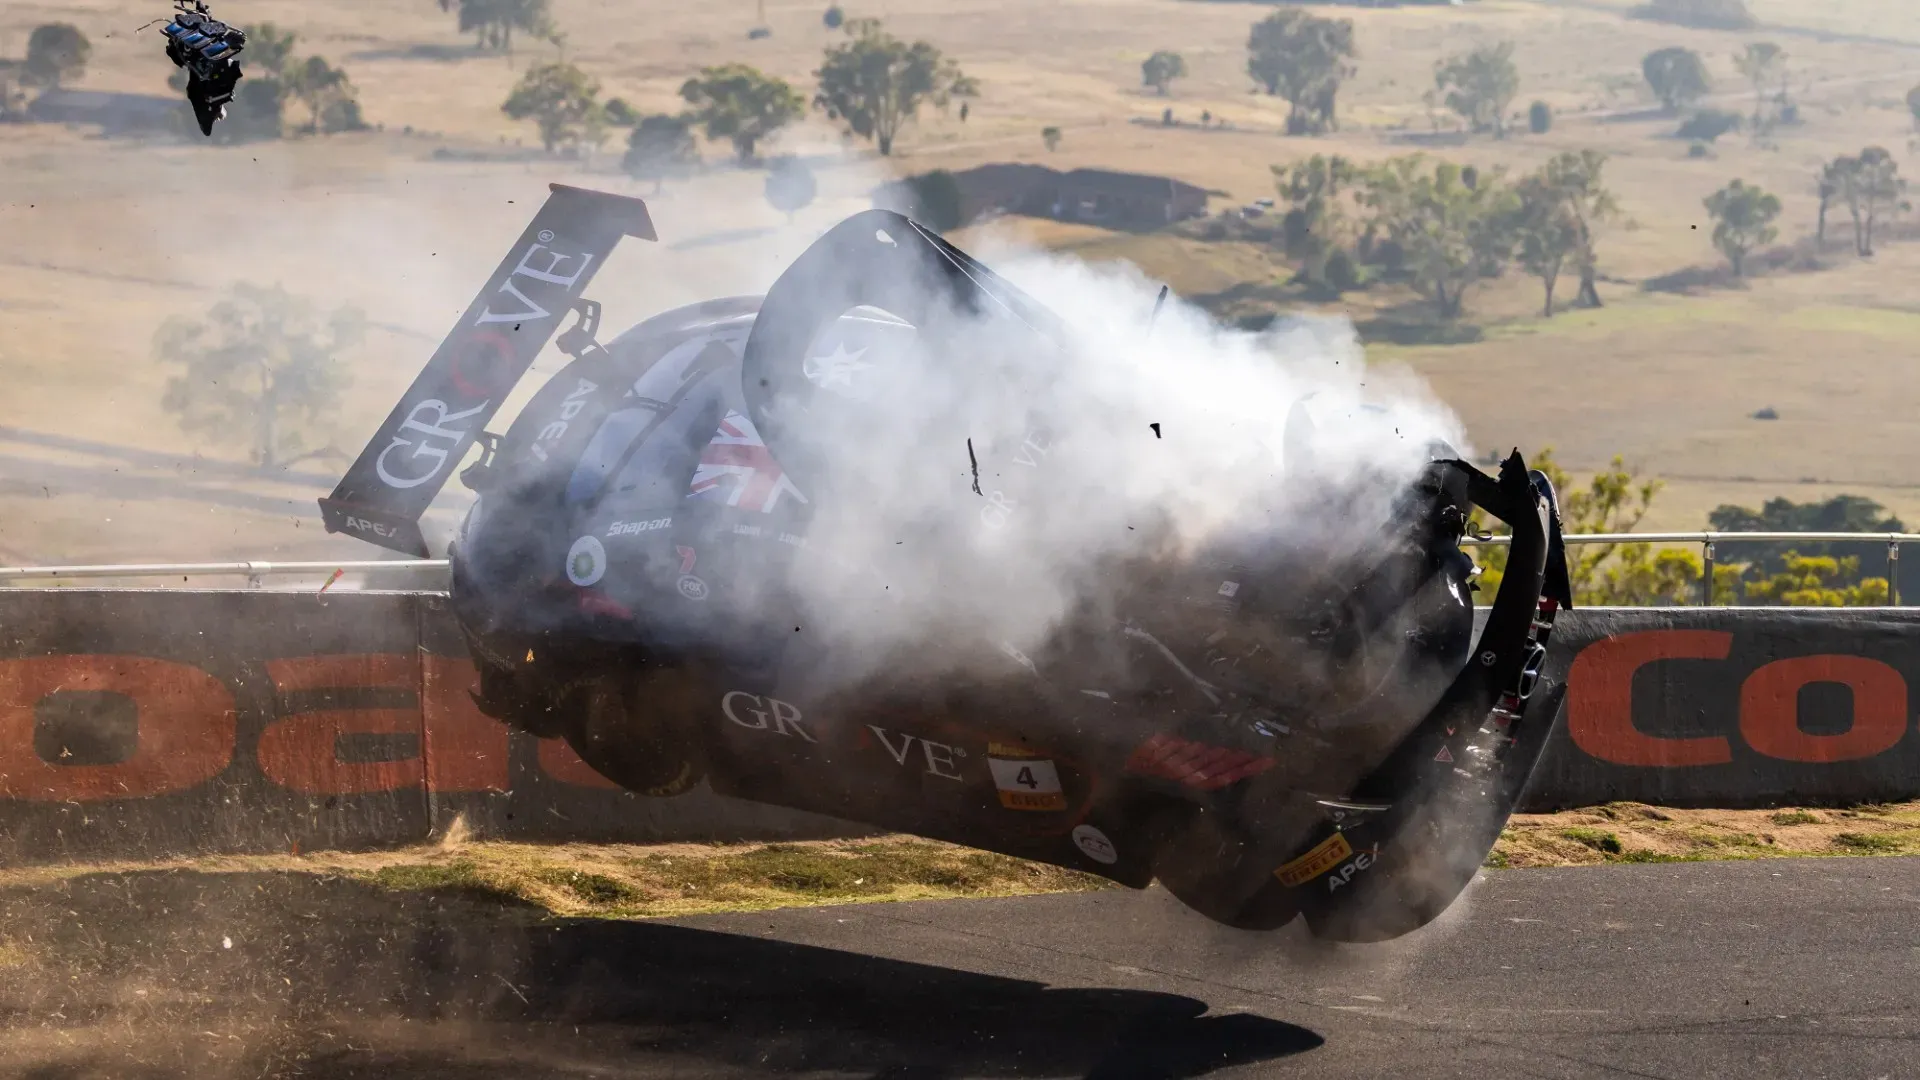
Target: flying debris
x=1271, y=729
x=210, y=50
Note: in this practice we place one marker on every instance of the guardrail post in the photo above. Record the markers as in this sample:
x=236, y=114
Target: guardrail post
x=254, y=577
x=1706, y=579
x=1893, y=573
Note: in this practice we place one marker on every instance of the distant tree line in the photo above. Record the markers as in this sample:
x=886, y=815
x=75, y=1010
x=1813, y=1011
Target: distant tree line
x=1616, y=500
x=872, y=83
x=1443, y=228
x=1305, y=59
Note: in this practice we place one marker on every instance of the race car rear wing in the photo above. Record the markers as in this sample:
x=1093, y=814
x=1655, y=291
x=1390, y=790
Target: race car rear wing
x=408, y=461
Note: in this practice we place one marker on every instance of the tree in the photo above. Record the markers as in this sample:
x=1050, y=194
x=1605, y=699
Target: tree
x=1452, y=226
x=1051, y=137
x=1761, y=62
x=1540, y=118
x=1828, y=186
x=1560, y=208
x=741, y=105
x=1870, y=186
x=1765, y=560
x=790, y=186
x=269, y=52
x=563, y=101
x=1708, y=125
x=331, y=101
x=1548, y=234
x=619, y=114
x=932, y=199
x=834, y=17
x=1480, y=85
x=1819, y=581
x=1913, y=105
x=492, y=22
x=56, y=53
x=660, y=147
x=1616, y=500
x=262, y=367
x=1613, y=502
x=1304, y=59
x=1678, y=77
x=257, y=114
x=1743, y=218
x=1321, y=218
x=1160, y=69
x=875, y=83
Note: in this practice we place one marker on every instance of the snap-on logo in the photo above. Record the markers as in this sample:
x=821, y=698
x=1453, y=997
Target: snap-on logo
x=635, y=528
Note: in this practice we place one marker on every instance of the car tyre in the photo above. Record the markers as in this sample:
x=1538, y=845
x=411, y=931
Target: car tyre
x=634, y=728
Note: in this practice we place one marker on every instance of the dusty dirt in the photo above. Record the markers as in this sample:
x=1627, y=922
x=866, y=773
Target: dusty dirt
x=483, y=961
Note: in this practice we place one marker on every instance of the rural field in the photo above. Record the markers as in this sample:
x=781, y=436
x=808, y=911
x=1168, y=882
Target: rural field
x=104, y=238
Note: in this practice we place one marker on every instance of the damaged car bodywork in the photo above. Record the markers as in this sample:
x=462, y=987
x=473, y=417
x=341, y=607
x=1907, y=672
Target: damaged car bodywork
x=1270, y=733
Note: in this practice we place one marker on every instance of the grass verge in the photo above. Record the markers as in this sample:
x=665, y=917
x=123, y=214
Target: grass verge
x=632, y=881
x=636, y=882
x=1636, y=833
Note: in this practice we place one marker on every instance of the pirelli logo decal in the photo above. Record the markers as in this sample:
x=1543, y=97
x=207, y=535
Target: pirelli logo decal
x=1325, y=855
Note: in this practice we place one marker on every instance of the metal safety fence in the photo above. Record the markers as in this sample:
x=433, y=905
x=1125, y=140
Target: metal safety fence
x=257, y=572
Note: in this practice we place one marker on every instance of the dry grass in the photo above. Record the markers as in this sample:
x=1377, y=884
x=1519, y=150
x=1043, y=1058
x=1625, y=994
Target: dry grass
x=1637, y=833
x=642, y=883
x=635, y=881
x=630, y=881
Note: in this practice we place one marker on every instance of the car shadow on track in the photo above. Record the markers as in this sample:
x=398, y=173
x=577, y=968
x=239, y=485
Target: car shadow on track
x=164, y=974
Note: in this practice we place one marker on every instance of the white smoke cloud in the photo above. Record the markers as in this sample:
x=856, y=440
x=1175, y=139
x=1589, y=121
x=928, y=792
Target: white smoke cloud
x=1078, y=489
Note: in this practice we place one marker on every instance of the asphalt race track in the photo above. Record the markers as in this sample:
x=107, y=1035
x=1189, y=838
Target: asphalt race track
x=1803, y=968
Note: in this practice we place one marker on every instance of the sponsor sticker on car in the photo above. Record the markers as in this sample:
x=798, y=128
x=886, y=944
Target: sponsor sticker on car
x=635, y=528
x=1325, y=855
x=1026, y=781
x=1094, y=845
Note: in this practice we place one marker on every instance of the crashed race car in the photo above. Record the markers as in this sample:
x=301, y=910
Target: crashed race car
x=1268, y=729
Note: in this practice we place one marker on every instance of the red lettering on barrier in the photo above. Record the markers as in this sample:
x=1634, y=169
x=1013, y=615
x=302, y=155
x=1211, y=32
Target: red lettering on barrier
x=558, y=760
x=1770, y=708
x=1600, y=698
x=185, y=732
x=302, y=751
x=466, y=749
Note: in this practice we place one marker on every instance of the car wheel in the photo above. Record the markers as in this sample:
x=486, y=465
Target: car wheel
x=634, y=728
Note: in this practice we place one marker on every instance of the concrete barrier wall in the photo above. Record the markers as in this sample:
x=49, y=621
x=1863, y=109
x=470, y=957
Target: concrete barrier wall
x=137, y=724
x=144, y=723
x=1732, y=707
